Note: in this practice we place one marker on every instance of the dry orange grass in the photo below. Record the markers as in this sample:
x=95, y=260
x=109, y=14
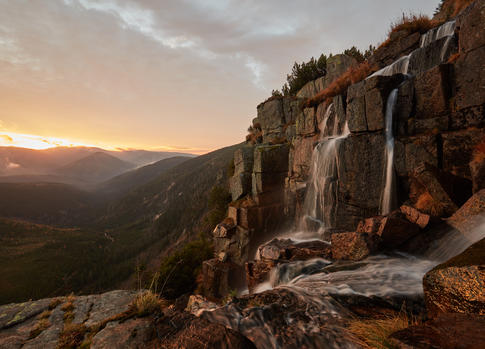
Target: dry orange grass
x=453, y=58
x=413, y=23
x=375, y=333
x=340, y=85
x=479, y=152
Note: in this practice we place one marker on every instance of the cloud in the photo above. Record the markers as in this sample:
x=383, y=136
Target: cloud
x=148, y=72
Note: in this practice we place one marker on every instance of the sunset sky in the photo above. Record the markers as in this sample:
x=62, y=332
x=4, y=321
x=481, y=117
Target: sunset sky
x=162, y=74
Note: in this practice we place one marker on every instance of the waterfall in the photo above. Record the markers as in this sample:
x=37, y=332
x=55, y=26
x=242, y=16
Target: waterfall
x=319, y=208
x=388, y=198
x=398, y=67
x=446, y=29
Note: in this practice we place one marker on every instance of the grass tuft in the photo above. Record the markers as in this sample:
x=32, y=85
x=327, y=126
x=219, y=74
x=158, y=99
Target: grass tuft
x=40, y=326
x=146, y=303
x=71, y=336
x=375, y=333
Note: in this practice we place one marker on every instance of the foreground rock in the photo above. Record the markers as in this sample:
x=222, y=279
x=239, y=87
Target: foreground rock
x=447, y=331
x=458, y=285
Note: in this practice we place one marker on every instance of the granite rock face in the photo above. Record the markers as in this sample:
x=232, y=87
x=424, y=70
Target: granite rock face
x=458, y=285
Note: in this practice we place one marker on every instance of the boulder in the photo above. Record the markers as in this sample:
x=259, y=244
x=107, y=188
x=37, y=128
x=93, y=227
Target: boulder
x=458, y=285
x=180, y=329
x=225, y=229
x=391, y=231
x=198, y=304
x=289, y=250
x=446, y=331
x=422, y=220
x=351, y=246
x=428, y=189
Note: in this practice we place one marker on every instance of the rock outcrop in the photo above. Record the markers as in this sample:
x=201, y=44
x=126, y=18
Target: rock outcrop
x=458, y=285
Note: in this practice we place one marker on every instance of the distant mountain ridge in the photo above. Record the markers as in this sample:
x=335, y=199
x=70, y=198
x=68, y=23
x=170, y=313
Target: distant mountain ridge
x=95, y=167
x=16, y=161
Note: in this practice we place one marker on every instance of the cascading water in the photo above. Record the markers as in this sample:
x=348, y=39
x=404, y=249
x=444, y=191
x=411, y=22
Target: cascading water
x=314, y=282
x=446, y=29
x=388, y=198
x=320, y=201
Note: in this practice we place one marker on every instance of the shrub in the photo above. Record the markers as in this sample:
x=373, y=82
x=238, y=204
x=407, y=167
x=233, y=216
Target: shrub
x=219, y=199
x=303, y=73
x=340, y=85
x=178, y=272
x=375, y=333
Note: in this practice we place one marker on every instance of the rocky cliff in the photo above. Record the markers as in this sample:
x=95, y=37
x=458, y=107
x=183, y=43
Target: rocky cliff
x=344, y=197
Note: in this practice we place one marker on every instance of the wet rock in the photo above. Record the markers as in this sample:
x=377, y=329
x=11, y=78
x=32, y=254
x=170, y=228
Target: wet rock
x=431, y=55
x=458, y=149
x=359, y=172
x=458, y=285
x=404, y=106
x=288, y=250
x=469, y=216
x=432, y=93
x=446, y=331
x=183, y=330
x=133, y=333
x=378, y=89
x=257, y=272
x=351, y=246
x=283, y=318
x=198, y=304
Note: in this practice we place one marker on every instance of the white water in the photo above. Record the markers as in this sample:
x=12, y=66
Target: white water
x=400, y=66
x=388, y=198
x=446, y=29
x=321, y=198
